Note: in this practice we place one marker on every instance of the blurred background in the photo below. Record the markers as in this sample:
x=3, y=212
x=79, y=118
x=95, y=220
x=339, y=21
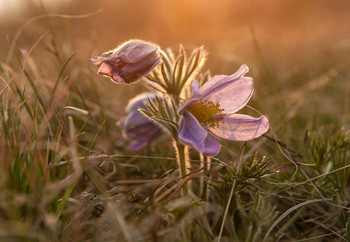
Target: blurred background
x=294, y=48
x=228, y=29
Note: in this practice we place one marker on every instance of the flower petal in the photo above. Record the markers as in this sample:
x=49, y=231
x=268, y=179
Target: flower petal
x=137, y=127
x=105, y=69
x=143, y=133
x=137, y=144
x=239, y=127
x=191, y=132
x=216, y=81
x=232, y=95
x=131, y=72
x=232, y=92
x=111, y=69
x=143, y=66
x=211, y=146
x=117, y=78
x=106, y=56
x=137, y=102
x=141, y=100
x=195, y=96
x=134, y=51
x=135, y=119
x=210, y=84
x=195, y=89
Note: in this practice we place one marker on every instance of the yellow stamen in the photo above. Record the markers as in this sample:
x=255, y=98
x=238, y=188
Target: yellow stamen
x=207, y=112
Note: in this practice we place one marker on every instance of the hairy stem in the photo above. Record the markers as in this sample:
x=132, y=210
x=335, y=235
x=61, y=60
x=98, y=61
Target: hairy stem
x=181, y=155
x=204, y=183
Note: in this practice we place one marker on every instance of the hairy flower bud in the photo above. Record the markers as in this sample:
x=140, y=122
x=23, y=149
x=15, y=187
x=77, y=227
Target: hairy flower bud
x=136, y=126
x=128, y=62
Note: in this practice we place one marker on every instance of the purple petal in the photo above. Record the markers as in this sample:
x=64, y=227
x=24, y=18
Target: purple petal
x=134, y=51
x=105, y=69
x=144, y=132
x=138, y=102
x=136, y=126
x=232, y=95
x=111, y=69
x=216, y=81
x=135, y=119
x=211, y=146
x=117, y=78
x=210, y=84
x=131, y=72
x=137, y=144
x=143, y=66
x=106, y=56
x=191, y=132
x=195, y=96
x=141, y=100
x=195, y=89
x=239, y=127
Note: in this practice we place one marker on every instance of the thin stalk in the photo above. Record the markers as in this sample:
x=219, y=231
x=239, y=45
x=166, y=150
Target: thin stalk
x=181, y=155
x=205, y=191
x=226, y=210
x=202, y=179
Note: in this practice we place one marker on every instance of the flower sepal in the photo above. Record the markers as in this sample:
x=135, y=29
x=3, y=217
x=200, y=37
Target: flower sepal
x=174, y=74
x=163, y=113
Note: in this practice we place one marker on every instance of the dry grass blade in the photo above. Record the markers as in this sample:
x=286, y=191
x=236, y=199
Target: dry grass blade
x=32, y=20
x=226, y=210
x=7, y=85
x=286, y=213
x=28, y=54
x=13, y=117
x=320, y=176
x=58, y=78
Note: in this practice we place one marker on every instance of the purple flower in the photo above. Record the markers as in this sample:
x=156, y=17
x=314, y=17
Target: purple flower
x=128, y=62
x=136, y=126
x=210, y=113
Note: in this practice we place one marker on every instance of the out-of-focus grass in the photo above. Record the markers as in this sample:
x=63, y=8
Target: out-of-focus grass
x=66, y=174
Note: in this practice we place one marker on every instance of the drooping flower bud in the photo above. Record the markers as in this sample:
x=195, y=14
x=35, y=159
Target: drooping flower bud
x=128, y=62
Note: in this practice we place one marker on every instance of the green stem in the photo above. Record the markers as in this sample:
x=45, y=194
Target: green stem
x=181, y=155
x=202, y=179
x=205, y=191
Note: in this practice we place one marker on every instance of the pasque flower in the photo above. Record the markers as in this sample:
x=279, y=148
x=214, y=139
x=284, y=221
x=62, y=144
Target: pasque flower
x=211, y=112
x=128, y=62
x=136, y=126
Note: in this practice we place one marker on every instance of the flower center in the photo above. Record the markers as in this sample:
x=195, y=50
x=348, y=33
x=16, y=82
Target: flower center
x=207, y=113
